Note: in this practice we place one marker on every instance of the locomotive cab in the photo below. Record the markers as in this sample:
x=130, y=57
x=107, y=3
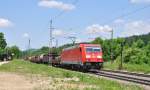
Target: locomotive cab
x=93, y=56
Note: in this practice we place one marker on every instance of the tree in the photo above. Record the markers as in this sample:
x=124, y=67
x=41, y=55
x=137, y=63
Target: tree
x=116, y=47
x=106, y=50
x=44, y=49
x=98, y=41
x=147, y=51
x=3, y=43
x=1, y=50
x=139, y=44
x=16, y=51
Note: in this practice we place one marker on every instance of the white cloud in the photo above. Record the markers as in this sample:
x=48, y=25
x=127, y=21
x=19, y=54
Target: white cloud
x=26, y=35
x=96, y=28
x=56, y=4
x=119, y=21
x=140, y=1
x=5, y=23
x=58, y=33
x=136, y=28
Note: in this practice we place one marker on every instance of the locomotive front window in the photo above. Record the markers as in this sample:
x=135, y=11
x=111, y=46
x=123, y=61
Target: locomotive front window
x=92, y=49
x=96, y=49
x=89, y=49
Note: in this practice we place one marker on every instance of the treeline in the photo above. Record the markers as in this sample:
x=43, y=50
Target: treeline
x=136, y=49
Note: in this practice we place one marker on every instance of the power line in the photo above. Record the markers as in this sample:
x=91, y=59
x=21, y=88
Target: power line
x=127, y=14
x=124, y=15
x=62, y=12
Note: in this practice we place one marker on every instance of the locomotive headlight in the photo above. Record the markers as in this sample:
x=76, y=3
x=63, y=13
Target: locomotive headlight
x=88, y=56
x=99, y=56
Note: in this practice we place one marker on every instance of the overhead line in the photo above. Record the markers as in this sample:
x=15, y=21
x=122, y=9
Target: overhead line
x=127, y=14
x=62, y=12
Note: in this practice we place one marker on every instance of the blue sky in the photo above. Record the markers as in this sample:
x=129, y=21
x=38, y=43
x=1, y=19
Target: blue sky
x=87, y=19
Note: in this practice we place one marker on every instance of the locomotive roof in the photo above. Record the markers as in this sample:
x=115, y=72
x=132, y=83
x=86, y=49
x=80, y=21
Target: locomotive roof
x=81, y=44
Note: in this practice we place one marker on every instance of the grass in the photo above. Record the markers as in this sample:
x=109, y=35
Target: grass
x=143, y=68
x=25, y=67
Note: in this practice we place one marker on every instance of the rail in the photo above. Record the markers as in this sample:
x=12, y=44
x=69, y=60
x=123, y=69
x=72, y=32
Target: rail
x=129, y=73
x=126, y=76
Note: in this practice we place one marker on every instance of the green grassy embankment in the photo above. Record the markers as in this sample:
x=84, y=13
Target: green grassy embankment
x=83, y=82
x=140, y=68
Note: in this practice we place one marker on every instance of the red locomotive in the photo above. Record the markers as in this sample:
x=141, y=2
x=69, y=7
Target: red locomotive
x=85, y=56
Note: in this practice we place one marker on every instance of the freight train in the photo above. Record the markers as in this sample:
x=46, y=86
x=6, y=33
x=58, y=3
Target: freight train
x=81, y=56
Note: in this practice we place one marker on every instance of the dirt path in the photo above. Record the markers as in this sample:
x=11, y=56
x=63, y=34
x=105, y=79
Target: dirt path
x=10, y=81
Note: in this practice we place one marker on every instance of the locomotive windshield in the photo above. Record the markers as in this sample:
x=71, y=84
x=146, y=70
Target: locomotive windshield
x=89, y=49
x=96, y=49
x=93, y=49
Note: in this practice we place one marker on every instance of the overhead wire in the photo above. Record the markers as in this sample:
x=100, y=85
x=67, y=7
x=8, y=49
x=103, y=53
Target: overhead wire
x=124, y=15
x=127, y=14
x=62, y=12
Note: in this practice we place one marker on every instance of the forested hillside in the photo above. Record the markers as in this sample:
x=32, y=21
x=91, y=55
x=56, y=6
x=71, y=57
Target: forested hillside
x=145, y=38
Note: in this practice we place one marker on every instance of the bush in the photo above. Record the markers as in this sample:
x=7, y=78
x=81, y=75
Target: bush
x=136, y=56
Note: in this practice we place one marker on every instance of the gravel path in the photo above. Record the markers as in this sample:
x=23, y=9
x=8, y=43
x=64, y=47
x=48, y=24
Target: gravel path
x=10, y=81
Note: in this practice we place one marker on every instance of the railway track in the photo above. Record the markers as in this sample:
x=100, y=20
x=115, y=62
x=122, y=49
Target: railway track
x=126, y=76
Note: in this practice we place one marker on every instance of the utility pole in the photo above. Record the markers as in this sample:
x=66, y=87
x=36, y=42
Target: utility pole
x=51, y=41
x=111, y=45
x=51, y=36
x=56, y=43
x=121, y=62
x=29, y=42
